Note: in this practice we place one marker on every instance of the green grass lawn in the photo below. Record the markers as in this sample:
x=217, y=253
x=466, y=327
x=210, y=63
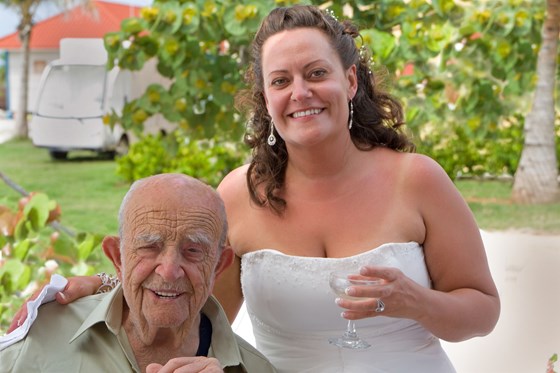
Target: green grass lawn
x=89, y=192
x=493, y=208
x=85, y=186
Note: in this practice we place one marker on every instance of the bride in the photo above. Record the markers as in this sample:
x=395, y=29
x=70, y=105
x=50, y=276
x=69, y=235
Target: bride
x=332, y=185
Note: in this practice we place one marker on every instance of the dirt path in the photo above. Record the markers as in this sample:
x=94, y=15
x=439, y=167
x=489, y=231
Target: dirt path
x=526, y=269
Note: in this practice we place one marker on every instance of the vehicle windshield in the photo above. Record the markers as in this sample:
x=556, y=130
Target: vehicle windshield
x=72, y=91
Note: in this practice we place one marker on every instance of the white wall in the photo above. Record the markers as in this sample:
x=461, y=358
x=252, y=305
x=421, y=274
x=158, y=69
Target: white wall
x=38, y=60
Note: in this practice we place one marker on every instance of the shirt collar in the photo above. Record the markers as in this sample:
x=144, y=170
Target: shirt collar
x=108, y=311
x=223, y=346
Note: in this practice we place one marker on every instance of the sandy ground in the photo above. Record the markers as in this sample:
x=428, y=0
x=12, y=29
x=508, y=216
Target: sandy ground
x=526, y=269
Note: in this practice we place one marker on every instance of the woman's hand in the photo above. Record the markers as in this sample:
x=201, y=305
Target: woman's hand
x=397, y=291
x=197, y=364
x=77, y=287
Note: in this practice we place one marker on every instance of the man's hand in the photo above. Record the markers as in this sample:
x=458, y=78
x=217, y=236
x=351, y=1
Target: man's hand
x=197, y=364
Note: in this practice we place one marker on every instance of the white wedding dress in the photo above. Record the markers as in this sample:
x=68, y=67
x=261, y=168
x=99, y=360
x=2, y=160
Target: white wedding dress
x=293, y=314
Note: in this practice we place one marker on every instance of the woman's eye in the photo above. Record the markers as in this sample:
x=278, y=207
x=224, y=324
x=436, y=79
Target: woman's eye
x=318, y=73
x=278, y=82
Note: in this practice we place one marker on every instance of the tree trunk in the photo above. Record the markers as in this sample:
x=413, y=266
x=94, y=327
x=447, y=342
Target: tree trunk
x=24, y=31
x=536, y=178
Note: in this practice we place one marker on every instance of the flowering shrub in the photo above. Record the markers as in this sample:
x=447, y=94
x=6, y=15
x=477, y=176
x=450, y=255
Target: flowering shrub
x=31, y=250
x=550, y=365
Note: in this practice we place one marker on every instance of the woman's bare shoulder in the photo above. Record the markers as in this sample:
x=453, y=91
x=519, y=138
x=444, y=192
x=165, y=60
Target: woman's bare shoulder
x=234, y=184
x=421, y=170
x=417, y=176
x=410, y=166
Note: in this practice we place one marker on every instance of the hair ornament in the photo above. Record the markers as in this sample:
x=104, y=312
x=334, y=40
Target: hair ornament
x=330, y=12
x=363, y=51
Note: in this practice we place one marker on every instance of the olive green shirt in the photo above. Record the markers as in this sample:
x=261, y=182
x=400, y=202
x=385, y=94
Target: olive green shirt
x=86, y=336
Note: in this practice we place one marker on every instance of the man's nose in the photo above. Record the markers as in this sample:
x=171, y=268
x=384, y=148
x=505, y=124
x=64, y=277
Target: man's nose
x=169, y=267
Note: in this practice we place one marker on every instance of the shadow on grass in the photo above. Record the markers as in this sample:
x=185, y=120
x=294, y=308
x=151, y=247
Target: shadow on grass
x=84, y=156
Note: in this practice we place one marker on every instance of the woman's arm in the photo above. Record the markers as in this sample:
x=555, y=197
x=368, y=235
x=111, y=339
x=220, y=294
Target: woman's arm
x=465, y=301
x=233, y=191
x=77, y=287
x=228, y=289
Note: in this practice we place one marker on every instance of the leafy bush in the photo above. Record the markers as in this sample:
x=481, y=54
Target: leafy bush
x=461, y=151
x=31, y=251
x=206, y=159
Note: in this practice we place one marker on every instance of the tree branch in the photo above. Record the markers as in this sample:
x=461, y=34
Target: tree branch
x=54, y=224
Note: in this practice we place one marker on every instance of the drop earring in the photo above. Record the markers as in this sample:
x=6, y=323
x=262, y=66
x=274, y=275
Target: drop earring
x=271, y=138
x=351, y=115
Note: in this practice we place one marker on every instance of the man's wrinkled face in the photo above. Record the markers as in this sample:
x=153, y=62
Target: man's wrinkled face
x=169, y=254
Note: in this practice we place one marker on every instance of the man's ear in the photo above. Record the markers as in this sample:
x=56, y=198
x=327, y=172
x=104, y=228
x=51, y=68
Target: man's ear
x=111, y=248
x=225, y=260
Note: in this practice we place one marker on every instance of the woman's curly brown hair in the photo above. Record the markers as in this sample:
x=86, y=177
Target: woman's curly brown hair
x=377, y=117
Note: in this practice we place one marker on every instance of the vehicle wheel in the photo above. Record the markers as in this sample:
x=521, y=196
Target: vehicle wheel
x=122, y=146
x=58, y=155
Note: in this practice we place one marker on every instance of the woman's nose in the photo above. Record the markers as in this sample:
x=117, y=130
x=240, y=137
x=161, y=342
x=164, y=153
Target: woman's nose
x=300, y=90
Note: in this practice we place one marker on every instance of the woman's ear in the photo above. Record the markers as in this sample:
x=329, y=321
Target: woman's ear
x=112, y=249
x=351, y=75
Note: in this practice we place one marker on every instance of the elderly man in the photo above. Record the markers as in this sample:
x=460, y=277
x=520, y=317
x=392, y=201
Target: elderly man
x=170, y=249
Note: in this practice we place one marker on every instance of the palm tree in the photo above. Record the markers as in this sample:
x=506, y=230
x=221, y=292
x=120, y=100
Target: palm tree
x=536, y=178
x=26, y=9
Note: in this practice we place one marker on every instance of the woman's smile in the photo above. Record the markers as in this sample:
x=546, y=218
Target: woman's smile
x=305, y=113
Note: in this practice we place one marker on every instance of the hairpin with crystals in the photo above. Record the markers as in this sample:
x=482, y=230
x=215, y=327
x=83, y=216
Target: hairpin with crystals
x=330, y=12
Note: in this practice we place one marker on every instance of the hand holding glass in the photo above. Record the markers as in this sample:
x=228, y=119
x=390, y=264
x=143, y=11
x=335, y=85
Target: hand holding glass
x=339, y=281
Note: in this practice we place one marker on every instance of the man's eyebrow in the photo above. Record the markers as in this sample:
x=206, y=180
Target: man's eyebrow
x=199, y=238
x=149, y=238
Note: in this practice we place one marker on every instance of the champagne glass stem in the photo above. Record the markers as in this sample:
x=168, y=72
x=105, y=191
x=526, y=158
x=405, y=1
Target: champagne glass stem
x=351, y=329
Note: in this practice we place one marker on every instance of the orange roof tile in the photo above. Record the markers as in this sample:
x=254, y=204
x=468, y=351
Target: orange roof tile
x=94, y=22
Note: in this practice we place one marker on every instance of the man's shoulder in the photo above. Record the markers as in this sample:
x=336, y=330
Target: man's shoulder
x=253, y=360
x=53, y=313
x=51, y=344
x=57, y=323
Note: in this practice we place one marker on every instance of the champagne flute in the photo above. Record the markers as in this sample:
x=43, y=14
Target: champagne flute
x=339, y=281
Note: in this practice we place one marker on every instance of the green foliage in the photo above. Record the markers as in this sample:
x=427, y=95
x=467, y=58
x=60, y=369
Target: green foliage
x=31, y=251
x=207, y=159
x=200, y=47
x=550, y=365
x=463, y=71
x=460, y=151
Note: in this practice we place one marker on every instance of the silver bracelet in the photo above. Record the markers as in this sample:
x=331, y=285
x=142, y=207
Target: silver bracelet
x=108, y=282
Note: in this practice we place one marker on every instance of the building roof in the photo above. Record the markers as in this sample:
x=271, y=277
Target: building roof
x=99, y=18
